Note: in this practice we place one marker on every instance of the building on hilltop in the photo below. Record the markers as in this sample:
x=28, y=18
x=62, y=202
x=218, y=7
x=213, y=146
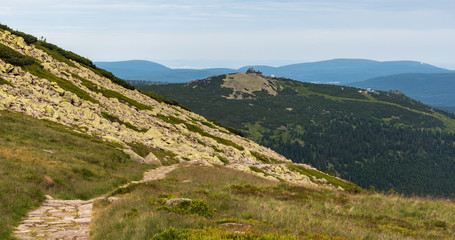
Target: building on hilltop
x=397, y=92
x=252, y=71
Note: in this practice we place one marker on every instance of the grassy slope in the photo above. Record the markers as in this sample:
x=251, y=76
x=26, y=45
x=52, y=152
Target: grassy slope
x=81, y=167
x=241, y=202
x=338, y=129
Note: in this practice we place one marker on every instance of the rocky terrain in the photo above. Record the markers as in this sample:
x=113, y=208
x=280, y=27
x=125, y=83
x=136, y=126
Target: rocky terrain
x=139, y=120
x=70, y=219
x=82, y=157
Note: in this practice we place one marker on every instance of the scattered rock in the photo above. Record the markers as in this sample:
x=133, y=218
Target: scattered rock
x=48, y=151
x=152, y=159
x=134, y=156
x=113, y=199
x=68, y=219
x=175, y=201
x=48, y=181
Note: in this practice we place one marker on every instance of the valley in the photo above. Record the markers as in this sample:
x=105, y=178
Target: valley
x=85, y=153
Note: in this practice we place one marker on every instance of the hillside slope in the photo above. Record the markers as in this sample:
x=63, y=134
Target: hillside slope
x=379, y=139
x=433, y=89
x=73, y=112
x=71, y=130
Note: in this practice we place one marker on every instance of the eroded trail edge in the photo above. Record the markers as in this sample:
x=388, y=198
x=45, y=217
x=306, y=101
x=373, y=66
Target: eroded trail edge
x=69, y=219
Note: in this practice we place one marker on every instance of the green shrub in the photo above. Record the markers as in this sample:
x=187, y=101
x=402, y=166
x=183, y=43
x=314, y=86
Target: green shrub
x=111, y=94
x=67, y=54
x=3, y=81
x=215, y=233
x=113, y=78
x=29, y=39
x=132, y=213
x=82, y=60
x=195, y=206
x=14, y=57
x=113, y=118
x=170, y=119
x=56, y=55
x=247, y=189
x=230, y=129
x=222, y=159
x=263, y=158
x=40, y=72
x=227, y=142
x=336, y=182
x=160, y=99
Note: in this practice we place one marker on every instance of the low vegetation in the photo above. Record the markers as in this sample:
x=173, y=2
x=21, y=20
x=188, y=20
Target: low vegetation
x=40, y=72
x=13, y=57
x=334, y=181
x=379, y=139
x=38, y=157
x=166, y=100
x=223, y=141
x=3, y=81
x=264, y=159
x=111, y=94
x=242, y=206
x=29, y=39
x=113, y=118
x=166, y=158
x=65, y=55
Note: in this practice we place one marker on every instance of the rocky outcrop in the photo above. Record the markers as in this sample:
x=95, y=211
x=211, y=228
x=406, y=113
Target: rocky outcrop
x=156, y=126
x=244, y=85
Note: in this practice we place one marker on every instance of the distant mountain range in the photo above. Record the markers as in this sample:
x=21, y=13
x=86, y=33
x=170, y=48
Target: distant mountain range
x=436, y=89
x=337, y=71
x=154, y=72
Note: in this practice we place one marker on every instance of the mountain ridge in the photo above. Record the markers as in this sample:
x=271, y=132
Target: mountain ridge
x=338, y=71
x=71, y=130
x=435, y=89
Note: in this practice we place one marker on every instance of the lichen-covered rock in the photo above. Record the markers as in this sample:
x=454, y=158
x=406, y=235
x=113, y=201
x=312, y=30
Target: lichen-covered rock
x=175, y=201
x=152, y=159
x=125, y=120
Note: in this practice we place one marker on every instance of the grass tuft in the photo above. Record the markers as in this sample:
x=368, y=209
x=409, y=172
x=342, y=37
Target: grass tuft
x=80, y=167
x=251, y=207
x=334, y=181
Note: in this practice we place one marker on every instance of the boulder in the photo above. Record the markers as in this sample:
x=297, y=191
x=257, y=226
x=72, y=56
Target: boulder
x=175, y=201
x=134, y=156
x=152, y=159
x=113, y=199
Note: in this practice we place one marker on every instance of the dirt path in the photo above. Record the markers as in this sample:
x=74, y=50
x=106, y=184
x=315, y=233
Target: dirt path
x=69, y=219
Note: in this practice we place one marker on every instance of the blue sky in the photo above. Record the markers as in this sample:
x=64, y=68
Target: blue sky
x=233, y=33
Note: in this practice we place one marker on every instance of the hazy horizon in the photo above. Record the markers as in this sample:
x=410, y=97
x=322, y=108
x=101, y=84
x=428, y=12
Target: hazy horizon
x=184, y=64
x=233, y=33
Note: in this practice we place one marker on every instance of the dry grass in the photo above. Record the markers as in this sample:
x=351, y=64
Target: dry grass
x=268, y=210
x=39, y=157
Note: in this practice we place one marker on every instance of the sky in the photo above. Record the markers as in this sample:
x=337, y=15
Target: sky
x=235, y=33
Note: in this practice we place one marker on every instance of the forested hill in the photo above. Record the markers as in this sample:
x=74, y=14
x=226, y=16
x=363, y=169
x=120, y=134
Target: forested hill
x=380, y=139
x=436, y=89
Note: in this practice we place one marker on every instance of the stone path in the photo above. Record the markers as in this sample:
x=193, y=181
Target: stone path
x=69, y=219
